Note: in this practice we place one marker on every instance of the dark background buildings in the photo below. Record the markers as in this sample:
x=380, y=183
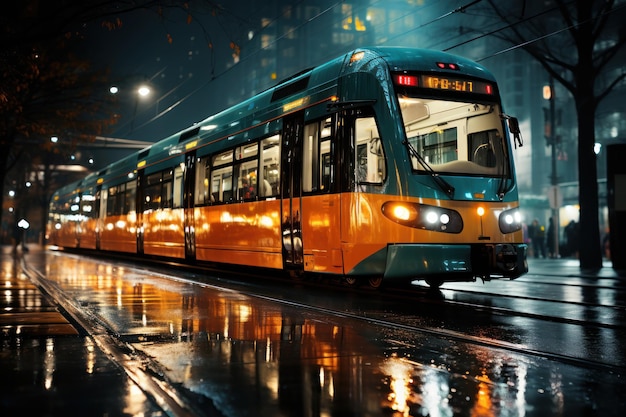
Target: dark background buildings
x=197, y=67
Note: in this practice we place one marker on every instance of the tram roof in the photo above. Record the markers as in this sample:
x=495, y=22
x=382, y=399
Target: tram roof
x=237, y=123
x=426, y=60
x=322, y=80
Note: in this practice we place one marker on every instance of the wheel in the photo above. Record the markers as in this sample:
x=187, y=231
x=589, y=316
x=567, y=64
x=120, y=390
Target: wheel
x=351, y=281
x=375, y=282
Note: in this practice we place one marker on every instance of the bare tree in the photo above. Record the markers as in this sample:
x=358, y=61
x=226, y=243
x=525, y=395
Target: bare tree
x=576, y=42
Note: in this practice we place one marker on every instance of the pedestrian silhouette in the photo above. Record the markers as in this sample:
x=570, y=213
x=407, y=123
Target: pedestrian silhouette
x=537, y=234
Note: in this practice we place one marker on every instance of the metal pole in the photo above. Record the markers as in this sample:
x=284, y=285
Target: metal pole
x=553, y=176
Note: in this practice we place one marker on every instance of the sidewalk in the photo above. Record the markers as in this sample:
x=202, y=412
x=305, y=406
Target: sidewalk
x=48, y=366
x=566, y=267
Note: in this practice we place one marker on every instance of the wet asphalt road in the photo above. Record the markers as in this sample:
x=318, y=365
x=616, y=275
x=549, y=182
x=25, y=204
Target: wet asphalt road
x=549, y=343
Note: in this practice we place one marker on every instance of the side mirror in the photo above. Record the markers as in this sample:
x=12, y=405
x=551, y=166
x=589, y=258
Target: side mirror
x=515, y=131
x=514, y=126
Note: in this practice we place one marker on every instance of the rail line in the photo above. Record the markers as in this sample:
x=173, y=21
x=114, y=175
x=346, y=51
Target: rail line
x=240, y=281
x=429, y=330
x=512, y=312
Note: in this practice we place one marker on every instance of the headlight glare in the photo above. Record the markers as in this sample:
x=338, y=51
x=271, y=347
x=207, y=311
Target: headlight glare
x=422, y=216
x=401, y=213
x=510, y=221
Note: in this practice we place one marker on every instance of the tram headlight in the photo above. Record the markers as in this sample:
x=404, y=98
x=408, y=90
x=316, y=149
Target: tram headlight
x=422, y=216
x=510, y=221
x=403, y=213
x=431, y=217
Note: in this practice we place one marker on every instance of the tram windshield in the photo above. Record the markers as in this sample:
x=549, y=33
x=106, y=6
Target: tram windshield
x=454, y=137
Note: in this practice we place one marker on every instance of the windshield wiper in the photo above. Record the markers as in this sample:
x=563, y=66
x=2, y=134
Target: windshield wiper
x=443, y=184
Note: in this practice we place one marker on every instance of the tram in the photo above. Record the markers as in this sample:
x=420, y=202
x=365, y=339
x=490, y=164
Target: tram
x=385, y=164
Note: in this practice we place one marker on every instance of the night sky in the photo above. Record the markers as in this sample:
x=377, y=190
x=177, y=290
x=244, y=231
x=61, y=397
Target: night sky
x=185, y=65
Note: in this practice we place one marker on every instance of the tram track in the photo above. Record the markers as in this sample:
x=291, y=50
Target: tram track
x=242, y=283
x=406, y=292
x=139, y=368
x=429, y=330
x=427, y=295
x=451, y=335
x=512, y=312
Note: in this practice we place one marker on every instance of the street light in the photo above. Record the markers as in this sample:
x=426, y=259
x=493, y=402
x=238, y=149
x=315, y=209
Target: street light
x=143, y=91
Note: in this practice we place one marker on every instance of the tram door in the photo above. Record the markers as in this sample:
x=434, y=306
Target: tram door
x=188, y=205
x=291, y=191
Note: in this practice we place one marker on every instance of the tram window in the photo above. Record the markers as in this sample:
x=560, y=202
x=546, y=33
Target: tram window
x=326, y=169
x=222, y=184
x=177, y=197
x=436, y=147
x=202, y=195
x=441, y=146
x=247, y=180
x=370, y=162
x=270, y=172
x=111, y=201
x=167, y=192
x=163, y=190
x=309, y=157
x=316, y=167
x=152, y=192
x=119, y=199
x=224, y=180
x=223, y=158
x=221, y=177
x=247, y=151
x=104, y=203
x=481, y=148
x=326, y=136
x=130, y=196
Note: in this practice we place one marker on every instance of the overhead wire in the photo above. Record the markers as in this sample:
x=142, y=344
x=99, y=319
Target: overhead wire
x=461, y=9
